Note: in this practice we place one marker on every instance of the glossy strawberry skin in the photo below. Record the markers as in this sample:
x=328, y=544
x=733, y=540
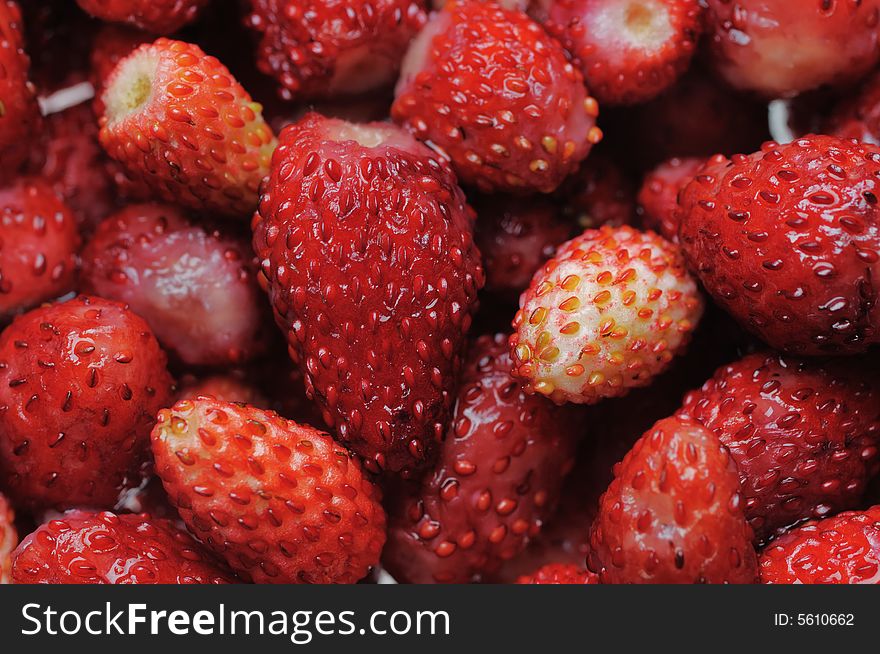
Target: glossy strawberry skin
x=559, y=573
x=498, y=478
x=80, y=384
x=38, y=246
x=380, y=365
x=8, y=540
x=280, y=502
x=527, y=139
x=805, y=435
x=658, y=195
x=105, y=548
x=156, y=16
x=673, y=513
x=844, y=549
x=177, y=120
x=787, y=240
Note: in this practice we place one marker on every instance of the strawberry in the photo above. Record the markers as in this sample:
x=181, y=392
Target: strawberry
x=80, y=384
x=156, y=16
x=105, y=548
x=195, y=286
x=177, y=119
x=280, y=502
x=658, y=196
x=490, y=90
x=605, y=315
x=326, y=48
x=516, y=236
x=844, y=549
x=38, y=245
x=598, y=194
x=349, y=209
x=499, y=476
x=8, y=540
x=559, y=573
x=228, y=387
x=673, y=513
x=805, y=435
x=628, y=50
x=857, y=115
x=787, y=240
x=780, y=48
x=111, y=44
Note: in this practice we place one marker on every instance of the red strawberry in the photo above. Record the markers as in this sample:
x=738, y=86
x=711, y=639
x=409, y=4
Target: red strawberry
x=628, y=50
x=490, y=90
x=658, y=196
x=177, y=119
x=499, y=477
x=781, y=48
x=38, y=245
x=673, y=513
x=598, y=194
x=156, y=16
x=559, y=573
x=605, y=315
x=280, y=502
x=857, y=115
x=8, y=540
x=805, y=435
x=196, y=287
x=80, y=385
x=365, y=240
x=787, y=240
x=326, y=48
x=111, y=44
x=105, y=548
x=844, y=549
x=227, y=387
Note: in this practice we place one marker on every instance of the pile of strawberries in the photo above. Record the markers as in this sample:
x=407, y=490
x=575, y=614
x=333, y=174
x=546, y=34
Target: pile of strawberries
x=305, y=290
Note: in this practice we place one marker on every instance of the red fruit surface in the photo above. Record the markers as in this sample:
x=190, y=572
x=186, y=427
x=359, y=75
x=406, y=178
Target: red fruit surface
x=280, y=502
x=8, y=540
x=347, y=210
x=787, y=240
x=499, y=476
x=105, y=548
x=156, y=16
x=844, y=549
x=80, y=384
x=559, y=573
x=489, y=89
x=805, y=435
x=673, y=513
x=196, y=287
x=658, y=195
x=38, y=246
x=599, y=193
x=228, y=387
x=628, y=50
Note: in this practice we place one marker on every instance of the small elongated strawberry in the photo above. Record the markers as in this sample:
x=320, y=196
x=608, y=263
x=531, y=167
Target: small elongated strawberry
x=490, y=90
x=105, y=548
x=673, y=513
x=500, y=472
x=599, y=193
x=560, y=573
x=80, y=384
x=196, y=287
x=8, y=540
x=628, y=50
x=177, y=120
x=844, y=549
x=156, y=16
x=366, y=242
x=787, y=240
x=658, y=196
x=805, y=435
x=781, y=48
x=38, y=245
x=605, y=315
x=280, y=502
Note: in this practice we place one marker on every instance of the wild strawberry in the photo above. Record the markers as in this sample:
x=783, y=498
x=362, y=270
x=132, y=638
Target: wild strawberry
x=349, y=209
x=111, y=44
x=787, y=240
x=80, y=385
x=605, y=315
x=8, y=540
x=156, y=16
x=673, y=513
x=599, y=193
x=176, y=118
x=499, y=476
x=38, y=245
x=805, y=435
x=196, y=287
x=628, y=50
x=326, y=48
x=229, y=387
x=105, y=548
x=559, y=573
x=658, y=196
x=844, y=549
x=280, y=502
x=490, y=90
x=781, y=48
